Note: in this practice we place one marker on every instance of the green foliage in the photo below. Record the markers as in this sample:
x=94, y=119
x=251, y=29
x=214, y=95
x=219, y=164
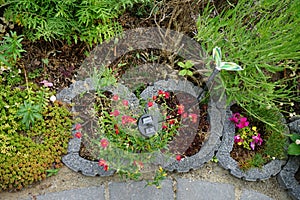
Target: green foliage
x=91, y=21
x=186, y=68
x=160, y=175
x=29, y=113
x=294, y=147
x=263, y=38
x=26, y=154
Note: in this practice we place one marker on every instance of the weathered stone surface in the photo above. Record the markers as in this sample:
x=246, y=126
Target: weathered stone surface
x=202, y=190
x=295, y=126
x=91, y=193
x=138, y=191
x=250, y=195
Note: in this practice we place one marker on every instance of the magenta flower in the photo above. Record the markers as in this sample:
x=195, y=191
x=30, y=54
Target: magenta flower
x=235, y=118
x=243, y=123
x=46, y=83
x=238, y=139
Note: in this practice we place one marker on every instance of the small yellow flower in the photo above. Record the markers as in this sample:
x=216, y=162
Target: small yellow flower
x=254, y=128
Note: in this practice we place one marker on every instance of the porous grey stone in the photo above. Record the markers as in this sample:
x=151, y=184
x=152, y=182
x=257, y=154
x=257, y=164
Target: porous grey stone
x=250, y=195
x=226, y=161
x=137, y=191
x=295, y=126
x=286, y=177
x=86, y=167
x=202, y=190
x=93, y=193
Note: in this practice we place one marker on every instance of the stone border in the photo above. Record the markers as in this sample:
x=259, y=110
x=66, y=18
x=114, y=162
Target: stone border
x=72, y=159
x=216, y=112
x=227, y=162
x=286, y=177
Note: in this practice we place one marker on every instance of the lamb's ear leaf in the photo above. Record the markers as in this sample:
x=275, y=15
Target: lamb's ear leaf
x=229, y=66
x=217, y=56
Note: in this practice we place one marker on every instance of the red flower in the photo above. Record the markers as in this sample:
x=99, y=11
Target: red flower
x=185, y=115
x=164, y=126
x=77, y=127
x=125, y=102
x=150, y=104
x=180, y=109
x=104, y=143
x=115, y=97
x=172, y=121
x=103, y=164
x=160, y=92
x=78, y=135
x=167, y=95
x=154, y=98
x=178, y=157
x=193, y=117
x=115, y=113
x=127, y=119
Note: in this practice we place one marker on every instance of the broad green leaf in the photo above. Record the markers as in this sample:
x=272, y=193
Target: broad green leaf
x=294, y=149
x=229, y=66
x=295, y=137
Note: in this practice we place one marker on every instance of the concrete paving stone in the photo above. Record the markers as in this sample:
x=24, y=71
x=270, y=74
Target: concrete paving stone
x=203, y=190
x=138, y=191
x=90, y=193
x=250, y=195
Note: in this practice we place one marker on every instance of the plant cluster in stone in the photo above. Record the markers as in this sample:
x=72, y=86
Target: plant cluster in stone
x=121, y=145
x=245, y=136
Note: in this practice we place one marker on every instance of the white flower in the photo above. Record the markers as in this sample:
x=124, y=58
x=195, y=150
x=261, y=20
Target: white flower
x=297, y=142
x=53, y=98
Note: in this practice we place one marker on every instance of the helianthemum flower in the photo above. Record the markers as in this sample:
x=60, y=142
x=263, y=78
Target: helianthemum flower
x=104, y=143
x=242, y=123
x=103, y=164
x=180, y=108
x=115, y=97
x=115, y=113
x=238, y=140
x=127, y=119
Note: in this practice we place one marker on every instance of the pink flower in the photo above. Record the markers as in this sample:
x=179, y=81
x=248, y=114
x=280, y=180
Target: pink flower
x=115, y=113
x=160, y=92
x=243, y=123
x=252, y=145
x=180, y=109
x=78, y=135
x=150, y=104
x=257, y=139
x=238, y=140
x=115, y=97
x=184, y=115
x=104, y=143
x=46, y=83
x=125, y=102
x=193, y=117
x=154, y=98
x=77, y=127
x=127, y=119
x=178, y=157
